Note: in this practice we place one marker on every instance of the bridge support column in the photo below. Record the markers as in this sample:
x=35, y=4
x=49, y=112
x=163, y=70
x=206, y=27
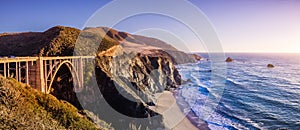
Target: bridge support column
x=27, y=73
x=40, y=79
x=80, y=72
x=4, y=71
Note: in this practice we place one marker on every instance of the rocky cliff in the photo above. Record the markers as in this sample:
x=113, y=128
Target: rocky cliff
x=129, y=82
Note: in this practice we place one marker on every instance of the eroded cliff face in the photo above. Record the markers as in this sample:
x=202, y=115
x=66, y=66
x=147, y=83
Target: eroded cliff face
x=129, y=82
x=148, y=71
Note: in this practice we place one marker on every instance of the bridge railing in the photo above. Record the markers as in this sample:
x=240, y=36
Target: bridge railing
x=24, y=59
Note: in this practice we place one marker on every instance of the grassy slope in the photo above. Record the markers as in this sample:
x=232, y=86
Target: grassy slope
x=56, y=41
x=66, y=38
x=22, y=107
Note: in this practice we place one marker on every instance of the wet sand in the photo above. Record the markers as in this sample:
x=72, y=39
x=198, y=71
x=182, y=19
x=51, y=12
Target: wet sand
x=174, y=118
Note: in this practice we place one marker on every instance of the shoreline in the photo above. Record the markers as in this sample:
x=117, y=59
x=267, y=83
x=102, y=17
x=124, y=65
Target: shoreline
x=191, y=116
x=170, y=107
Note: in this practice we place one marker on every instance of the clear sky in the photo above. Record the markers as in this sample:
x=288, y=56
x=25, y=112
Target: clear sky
x=242, y=25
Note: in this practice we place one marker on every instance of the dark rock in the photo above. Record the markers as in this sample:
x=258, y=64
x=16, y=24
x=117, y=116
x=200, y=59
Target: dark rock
x=229, y=59
x=270, y=66
x=186, y=81
x=150, y=104
x=205, y=71
x=162, y=62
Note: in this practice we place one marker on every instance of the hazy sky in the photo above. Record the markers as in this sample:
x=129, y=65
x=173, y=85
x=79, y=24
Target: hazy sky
x=242, y=25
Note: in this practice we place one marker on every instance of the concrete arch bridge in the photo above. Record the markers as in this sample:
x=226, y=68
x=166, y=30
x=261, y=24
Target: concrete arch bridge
x=40, y=72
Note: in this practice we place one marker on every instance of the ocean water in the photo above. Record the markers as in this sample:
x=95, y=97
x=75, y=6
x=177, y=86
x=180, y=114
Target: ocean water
x=254, y=97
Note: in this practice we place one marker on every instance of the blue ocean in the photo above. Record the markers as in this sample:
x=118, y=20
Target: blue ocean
x=254, y=96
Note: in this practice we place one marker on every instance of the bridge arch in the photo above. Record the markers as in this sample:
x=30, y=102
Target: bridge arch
x=55, y=69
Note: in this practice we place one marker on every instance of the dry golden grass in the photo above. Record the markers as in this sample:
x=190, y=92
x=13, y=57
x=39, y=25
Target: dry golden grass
x=22, y=107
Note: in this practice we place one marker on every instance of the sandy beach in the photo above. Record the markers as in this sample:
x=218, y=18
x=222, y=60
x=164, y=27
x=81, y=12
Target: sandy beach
x=173, y=117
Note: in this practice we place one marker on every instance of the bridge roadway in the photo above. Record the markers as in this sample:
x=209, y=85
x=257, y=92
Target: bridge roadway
x=40, y=72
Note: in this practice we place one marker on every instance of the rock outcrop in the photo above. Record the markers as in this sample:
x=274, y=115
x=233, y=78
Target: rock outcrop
x=229, y=59
x=129, y=82
x=270, y=66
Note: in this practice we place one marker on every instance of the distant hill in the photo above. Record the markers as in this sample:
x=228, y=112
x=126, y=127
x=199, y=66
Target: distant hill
x=126, y=38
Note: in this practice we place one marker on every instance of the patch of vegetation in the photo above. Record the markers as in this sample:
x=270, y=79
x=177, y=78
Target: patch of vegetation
x=90, y=43
x=22, y=107
x=87, y=43
x=63, y=43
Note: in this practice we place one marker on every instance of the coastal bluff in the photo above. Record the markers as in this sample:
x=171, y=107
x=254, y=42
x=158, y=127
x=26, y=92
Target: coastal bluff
x=146, y=65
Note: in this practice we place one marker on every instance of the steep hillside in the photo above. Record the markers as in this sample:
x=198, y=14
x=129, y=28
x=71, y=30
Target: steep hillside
x=35, y=43
x=22, y=107
x=137, y=39
x=154, y=42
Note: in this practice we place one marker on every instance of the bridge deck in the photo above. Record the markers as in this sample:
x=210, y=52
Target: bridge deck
x=24, y=59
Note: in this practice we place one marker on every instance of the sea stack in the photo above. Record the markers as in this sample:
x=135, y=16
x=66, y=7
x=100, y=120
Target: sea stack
x=270, y=66
x=229, y=59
